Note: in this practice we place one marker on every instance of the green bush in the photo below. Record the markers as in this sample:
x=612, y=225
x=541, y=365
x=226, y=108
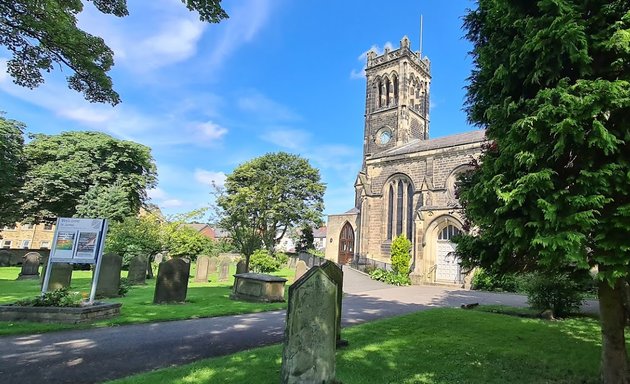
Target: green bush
x=281, y=258
x=58, y=298
x=556, y=291
x=486, y=281
x=390, y=277
x=261, y=261
x=401, y=256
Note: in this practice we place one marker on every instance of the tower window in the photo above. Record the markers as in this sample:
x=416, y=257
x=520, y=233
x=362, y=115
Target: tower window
x=387, y=90
x=409, y=211
x=390, y=212
x=395, y=90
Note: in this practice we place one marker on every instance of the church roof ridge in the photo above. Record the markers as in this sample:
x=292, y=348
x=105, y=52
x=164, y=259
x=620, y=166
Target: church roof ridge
x=419, y=145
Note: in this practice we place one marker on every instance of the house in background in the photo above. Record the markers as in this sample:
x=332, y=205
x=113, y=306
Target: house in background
x=27, y=236
x=319, y=238
x=204, y=229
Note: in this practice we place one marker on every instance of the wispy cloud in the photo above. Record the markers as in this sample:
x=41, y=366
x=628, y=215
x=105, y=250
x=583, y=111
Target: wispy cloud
x=266, y=109
x=360, y=73
x=211, y=131
x=206, y=177
x=287, y=138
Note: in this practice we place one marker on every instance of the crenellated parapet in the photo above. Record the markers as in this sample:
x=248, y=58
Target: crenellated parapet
x=404, y=51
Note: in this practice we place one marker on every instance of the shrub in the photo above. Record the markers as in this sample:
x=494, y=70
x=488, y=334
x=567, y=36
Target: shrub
x=555, y=291
x=389, y=277
x=58, y=298
x=401, y=256
x=486, y=281
x=261, y=261
x=281, y=258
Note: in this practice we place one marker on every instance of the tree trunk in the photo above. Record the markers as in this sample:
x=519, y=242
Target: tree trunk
x=614, y=364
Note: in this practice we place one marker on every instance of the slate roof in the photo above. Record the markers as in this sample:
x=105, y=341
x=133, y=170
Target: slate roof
x=319, y=232
x=418, y=145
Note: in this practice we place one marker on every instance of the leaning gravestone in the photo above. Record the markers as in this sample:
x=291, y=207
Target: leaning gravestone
x=300, y=269
x=336, y=274
x=108, y=282
x=30, y=266
x=241, y=267
x=172, y=281
x=308, y=355
x=224, y=268
x=5, y=258
x=212, y=264
x=60, y=276
x=201, y=273
x=137, y=274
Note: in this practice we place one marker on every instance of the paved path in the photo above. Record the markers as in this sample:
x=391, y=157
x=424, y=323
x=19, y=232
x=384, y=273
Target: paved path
x=97, y=355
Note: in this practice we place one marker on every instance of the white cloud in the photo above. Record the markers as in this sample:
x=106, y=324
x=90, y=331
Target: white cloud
x=4, y=75
x=360, y=73
x=211, y=130
x=87, y=114
x=287, y=138
x=156, y=193
x=176, y=41
x=208, y=177
x=265, y=108
x=171, y=203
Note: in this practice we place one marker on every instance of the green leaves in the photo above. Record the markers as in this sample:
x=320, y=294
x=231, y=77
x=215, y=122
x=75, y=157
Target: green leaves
x=11, y=169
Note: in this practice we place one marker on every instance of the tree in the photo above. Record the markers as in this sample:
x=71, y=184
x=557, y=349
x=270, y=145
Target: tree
x=401, y=255
x=266, y=196
x=135, y=235
x=11, y=169
x=63, y=168
x=105, y=201
x=306, y=239
x=42, y=33
x=552, y=189
x=185, y=241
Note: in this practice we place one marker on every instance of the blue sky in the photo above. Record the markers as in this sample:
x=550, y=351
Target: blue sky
x=278, y=75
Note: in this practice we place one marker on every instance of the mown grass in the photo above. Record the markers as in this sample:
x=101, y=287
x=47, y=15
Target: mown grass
x=440, y=346
x=203, y=300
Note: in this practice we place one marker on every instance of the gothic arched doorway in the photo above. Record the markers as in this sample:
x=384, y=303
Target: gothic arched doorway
x=446, y=260
x=346, y=244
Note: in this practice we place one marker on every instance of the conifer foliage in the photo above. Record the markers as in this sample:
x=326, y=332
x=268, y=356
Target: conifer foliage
x=551, y=86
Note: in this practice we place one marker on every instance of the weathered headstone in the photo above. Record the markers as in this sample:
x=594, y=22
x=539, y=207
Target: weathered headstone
x=158, y=258
x=212, y=264
x=30, y=266
x=60, y=276
x=137, y=274
x=5, y=258
x=172, y=281
x=300, y=269
x=308, y=355
x=201, y=274
x=108, y=282
x=336, y=274
x=292, y=262
x=224, y=268
x=241, y=267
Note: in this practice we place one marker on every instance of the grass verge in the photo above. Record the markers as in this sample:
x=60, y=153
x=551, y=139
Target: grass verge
x=440, y=346
x=203, y=300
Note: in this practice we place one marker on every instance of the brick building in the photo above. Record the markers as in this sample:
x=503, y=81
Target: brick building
x=406, y=184
x=27, y=236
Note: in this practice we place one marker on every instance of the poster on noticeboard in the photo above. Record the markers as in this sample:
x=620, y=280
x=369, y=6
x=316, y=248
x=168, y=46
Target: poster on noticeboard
x=77, y=240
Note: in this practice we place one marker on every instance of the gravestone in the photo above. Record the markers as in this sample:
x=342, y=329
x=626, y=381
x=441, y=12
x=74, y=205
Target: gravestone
x=60, y=276
x=5, y=258
x=224, y=268
x=308, y=354
x=158, y=258
x=212, y=264
x=336, y=274
x=201, y=274
x=172, y=281
x=30, y=266
x=109, y=277
x=292, y=262
x=240, y=267
x=137, y=274
x=300, y=269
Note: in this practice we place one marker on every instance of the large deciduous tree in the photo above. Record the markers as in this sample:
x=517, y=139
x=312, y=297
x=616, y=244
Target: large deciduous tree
x=551, y=86
x=11, y=169
x=266, y=196
x=41, y=33
x=85, y=171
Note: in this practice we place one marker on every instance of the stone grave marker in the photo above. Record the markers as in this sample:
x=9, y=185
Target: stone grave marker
x=336, y=274
x=171, y=285
x=308, y=354
x=201, y=274
x=300, y=269
x=137, y=270
x=30, y=266
x=240, y=267
x=60, y=276
x=5, y=258
x=292, y=262
x=158, y=258
x=109, y=277
x=224, y=268
x=212, y=264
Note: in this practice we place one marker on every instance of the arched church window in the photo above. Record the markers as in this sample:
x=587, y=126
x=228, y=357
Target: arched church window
x=395, y=90
x=387, y=90
x=449, y=232
x=380, y=94
x=390, y=212
x=399, y=209
x=409, y=211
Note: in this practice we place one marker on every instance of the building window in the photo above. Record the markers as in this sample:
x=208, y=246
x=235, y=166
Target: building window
x=7, y=228
x=409, y=211
x=390, y=212
x=44, y=245
x=26, y=244
x=399, y=209
x=448, y=232
x=399, y=214
x=6, y=244
x=27, y=226
x=48, y=227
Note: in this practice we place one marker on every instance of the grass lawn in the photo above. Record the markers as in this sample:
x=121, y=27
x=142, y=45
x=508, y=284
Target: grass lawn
x=436, y=346
x=203, y=300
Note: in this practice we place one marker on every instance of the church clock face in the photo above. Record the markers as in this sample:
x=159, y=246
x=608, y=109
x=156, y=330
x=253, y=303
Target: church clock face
x=383, y=136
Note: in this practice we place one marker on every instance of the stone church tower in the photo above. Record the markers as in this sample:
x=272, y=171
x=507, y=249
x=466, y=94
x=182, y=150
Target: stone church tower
x=406, y=184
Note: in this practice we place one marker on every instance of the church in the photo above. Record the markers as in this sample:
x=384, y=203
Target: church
x=406, y=184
